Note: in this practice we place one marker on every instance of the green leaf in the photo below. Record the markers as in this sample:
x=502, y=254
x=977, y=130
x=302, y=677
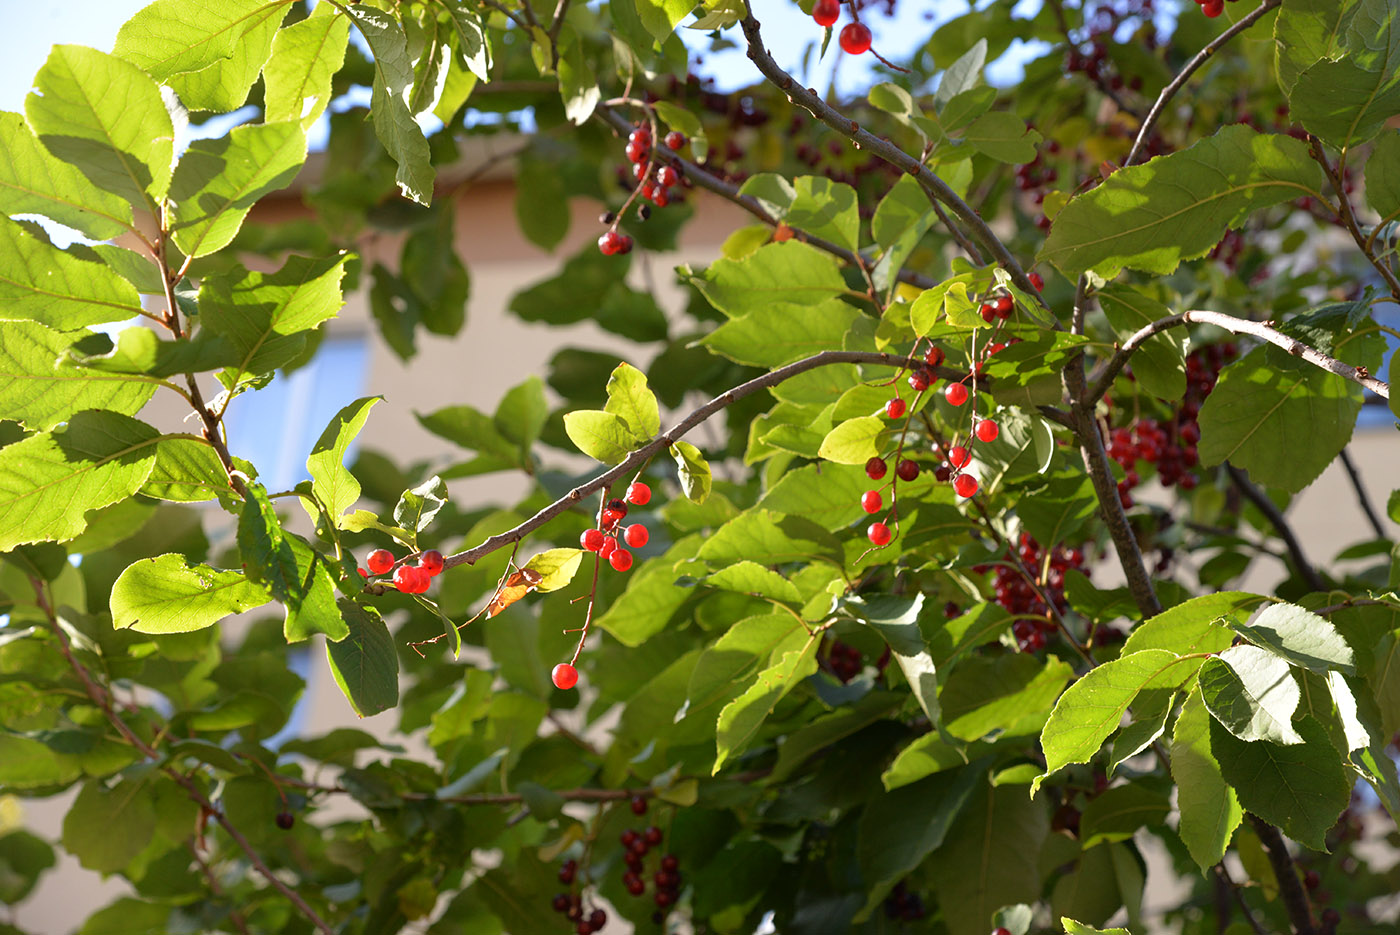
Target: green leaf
x=557, y=566
x=678, y=118
x=393, y=122
x=1117, y=813
x=725, y=668
x=1308, y=31
x=23, y=858
x=472, y=429
x=1278, y=417
x=55, y=288
x=167, y=594
x=1151, y=217
x=779, y=333
x=106, y=828
x=139, y=350
x=661, y=16
x=825, y=209
x=39, y=389
x=541, y=203
x=120, y=139
x=472, y=40
x=692, y=470
x=790, y=272
x=217, y=181
x=1251, y=692
x=266, y=316
x=1079, y=928
x=629, y=397
x=901, y=219
x=743, y=716
x=963, y=75
x=223, y=84
x=1010, y=695
x=49, y=481
x=1301, y=788
x=989, y=858
x=767, y=538
x=1301, y=637
x=603, y=436
x=578, y=86
x=1159, y=364
x=827, y=730
x=1092, y=707
x=313, y=610
x=1382, y=176
x=752, y=578
x=854, y=441
x=365, y=664
x=827, y=494
x=1191, y=626
x=331, y=482
x=168, y=37
x=188, y=471
x=1003, y=136
x=1060, y=509
x=1343, y=103
x=417, y=507
x=268, y=557
x=32, y=181
x=898, y=829
x=297, y=75
x=1210, y=812
x=29, y=764
x=895, y=618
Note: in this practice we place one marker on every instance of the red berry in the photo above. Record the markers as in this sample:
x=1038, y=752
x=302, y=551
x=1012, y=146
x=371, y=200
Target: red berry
x=870, y=501
x=363, y=574
x=878, y=533
x=667, y=176
x=636, y=535
x=958, y=456
x=1001, y=930
x=634, y=884
x=934, y=356
x=653, y=835
x=592, y=539
x=560, y=902
x=987, y=430
x=639, y=493
x=1213, y=8
x=285, y=820
x=1004, y=306
x=610, y=243
x=956, y=394
x=597, y=919
x=625, y=244
x=661, y=197
x=895, y=408
x=407, y=579
x=380, y=561
x=567, y=870
x=855, y=38
x=620, y=559
x=826, y=12
x=875, y=468
x=670, y=862
x=987, y=312
x=564, y=676
x=919, y=380
x=907, y=470
x=965, y=485
x=1037, y=280
x=431, y=562
x=639, y=805
x=663, y=898
x=675, y=141
x=608, y=548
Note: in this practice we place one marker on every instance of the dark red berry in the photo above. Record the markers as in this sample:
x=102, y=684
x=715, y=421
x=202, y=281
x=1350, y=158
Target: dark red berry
x=667, y=176
x=285, y=820
x=919, y=380
x=670, y=862
x=431, y=562
x=564, y=676
x=639, y=805
x=675, y=141
x=560, y=902
x=907, y=470
x=597, y=919
x=855, y=38
x=380, y=561
x=567, y=870
x=875, y=468
x=870, y=501
x=634, y=884
x=653, y=835
x=663, y=898
x=934, y=356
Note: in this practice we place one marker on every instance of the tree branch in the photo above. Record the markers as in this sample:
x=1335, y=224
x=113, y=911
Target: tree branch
x=103, y=699
x=1348, y=216
x=1295, y=898
x=1276, y=519
x=730, y=192
x=1200, y=58
x=1264, y=331
x=637, y=459
x=1355, y=477
x=808, y=99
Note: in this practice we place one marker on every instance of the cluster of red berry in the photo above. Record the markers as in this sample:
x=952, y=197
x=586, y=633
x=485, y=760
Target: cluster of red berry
x=903, y=905
x=571, y=905
x=855, y=37
x=1017, y=596
x=654, y=183
x=1170, y=445
x=844, y=661
x=410, y=579
x=666, y=880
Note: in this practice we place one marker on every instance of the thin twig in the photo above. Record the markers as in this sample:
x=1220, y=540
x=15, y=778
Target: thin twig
x=1276, y=519
x=1361, y=497
x=1348, y=216
x=1261, y=330
x=967, y=246
x=1290, y=887
x=217, y=889
x=1186, y=72
x=1223, y=874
